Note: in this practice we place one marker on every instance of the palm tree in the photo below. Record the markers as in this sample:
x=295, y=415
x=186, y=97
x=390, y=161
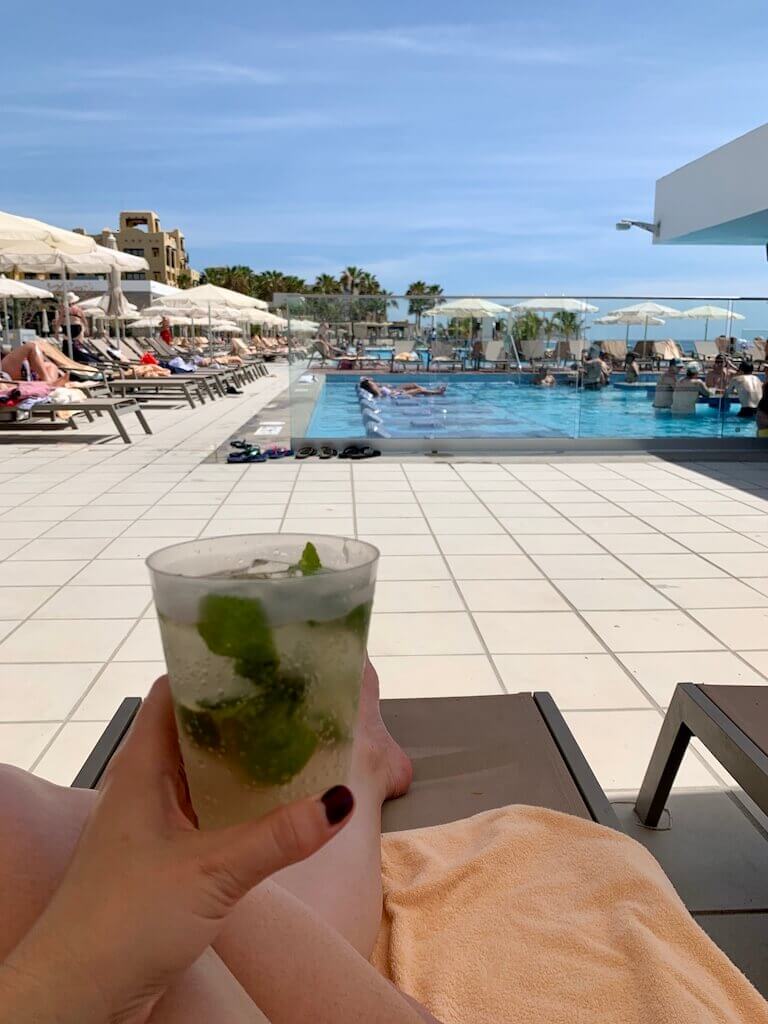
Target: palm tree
x=267, y=283
x=356, y=281
x=326, y=284
x=237, y=278
x=350, y=280
x=417, y=306
x=569, y=324
x=527, y=326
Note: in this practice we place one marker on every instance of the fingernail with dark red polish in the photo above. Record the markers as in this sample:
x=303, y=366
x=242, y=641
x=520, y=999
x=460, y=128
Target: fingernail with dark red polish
x=338, y=804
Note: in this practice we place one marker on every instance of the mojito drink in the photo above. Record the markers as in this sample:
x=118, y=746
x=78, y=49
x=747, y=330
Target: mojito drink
x=265, y=640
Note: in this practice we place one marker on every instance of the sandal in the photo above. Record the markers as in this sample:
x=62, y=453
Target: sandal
x=278, y=453
x=242, y=444
x=307, y=453
x=366, y=452
x=327, y=452
x=246, y=457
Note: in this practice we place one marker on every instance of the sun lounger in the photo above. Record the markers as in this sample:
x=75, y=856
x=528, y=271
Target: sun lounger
x=705, y=350
x=160, y=389
x=470, y=754
x=731, y=722
x=90, y=407
x=495, y=357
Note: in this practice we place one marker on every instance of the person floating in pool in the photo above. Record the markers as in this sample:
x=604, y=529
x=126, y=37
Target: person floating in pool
x=543, y=378
x=404, y=391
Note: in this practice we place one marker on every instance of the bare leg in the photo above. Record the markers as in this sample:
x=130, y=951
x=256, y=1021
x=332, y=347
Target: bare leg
x=39, y=826
x=13, y=364
x=342, y=882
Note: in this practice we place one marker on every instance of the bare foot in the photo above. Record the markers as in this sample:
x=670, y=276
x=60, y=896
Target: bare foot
x=388, y=757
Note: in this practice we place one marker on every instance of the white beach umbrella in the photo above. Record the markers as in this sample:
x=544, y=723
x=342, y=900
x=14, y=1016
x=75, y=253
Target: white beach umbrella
x=707, y=313
x=144, y=321
x=203, y=294
x=226, y=327
x=33, y=246
x=554, y=304
x=649, y=310
x=10, y=289
x=475, y=308
x=630, y=319
x=304, y=327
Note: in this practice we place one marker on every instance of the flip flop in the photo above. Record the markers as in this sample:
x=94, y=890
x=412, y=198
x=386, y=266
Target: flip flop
x=327, y=452
x=306, y=453
x=366, y=452
x=242, y=444
x=351, y=452
x=278, y=453
x=247, y=457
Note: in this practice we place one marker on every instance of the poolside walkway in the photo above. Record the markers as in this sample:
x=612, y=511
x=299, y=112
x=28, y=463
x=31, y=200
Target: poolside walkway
x=604, y=582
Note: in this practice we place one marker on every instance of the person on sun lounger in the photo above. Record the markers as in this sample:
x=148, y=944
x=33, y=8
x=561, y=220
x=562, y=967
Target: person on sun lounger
x=27, y=362
x=117, y=907
x=402, y=391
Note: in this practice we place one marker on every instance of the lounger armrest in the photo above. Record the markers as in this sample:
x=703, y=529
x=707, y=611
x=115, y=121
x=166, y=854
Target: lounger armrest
x=95, y=765
x=590, y=789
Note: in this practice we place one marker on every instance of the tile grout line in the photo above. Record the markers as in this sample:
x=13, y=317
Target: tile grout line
x=475, y=627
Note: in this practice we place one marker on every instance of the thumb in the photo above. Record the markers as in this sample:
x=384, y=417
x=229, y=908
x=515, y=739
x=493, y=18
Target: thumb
x=238, y=858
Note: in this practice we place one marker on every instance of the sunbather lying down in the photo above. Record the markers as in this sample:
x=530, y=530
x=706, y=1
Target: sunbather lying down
x=114, y=907
x=31, y=355
x=403, y=390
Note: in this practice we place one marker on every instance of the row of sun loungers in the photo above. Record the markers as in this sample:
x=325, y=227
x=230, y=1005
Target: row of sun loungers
x=118, y=396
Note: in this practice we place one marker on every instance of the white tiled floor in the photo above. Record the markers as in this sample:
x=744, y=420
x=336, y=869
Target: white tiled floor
x=603, y=582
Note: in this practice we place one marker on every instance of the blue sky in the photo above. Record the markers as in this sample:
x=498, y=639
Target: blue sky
x=488, y=146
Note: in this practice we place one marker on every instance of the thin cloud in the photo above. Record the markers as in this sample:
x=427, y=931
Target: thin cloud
x=60, y=113
x=186, y=72
x=464, y=43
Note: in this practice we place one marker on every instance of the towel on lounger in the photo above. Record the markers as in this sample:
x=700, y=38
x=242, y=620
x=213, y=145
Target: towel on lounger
x=528, y=916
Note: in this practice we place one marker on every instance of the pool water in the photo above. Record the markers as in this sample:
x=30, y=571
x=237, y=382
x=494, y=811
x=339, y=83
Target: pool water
x=501, y=407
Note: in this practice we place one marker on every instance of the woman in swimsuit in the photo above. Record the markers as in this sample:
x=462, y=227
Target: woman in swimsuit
x=405, y=390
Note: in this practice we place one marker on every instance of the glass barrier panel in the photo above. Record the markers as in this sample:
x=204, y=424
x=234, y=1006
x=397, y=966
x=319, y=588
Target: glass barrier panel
x=504, y=368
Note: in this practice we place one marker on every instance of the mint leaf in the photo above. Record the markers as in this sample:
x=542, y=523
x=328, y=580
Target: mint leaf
x=237, y=627
x=309, y=563
x=266, y=735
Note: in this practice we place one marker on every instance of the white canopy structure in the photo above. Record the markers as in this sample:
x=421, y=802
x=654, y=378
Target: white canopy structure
x=554, y=304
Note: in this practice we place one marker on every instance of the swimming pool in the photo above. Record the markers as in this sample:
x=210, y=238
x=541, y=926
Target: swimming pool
x=502, y=407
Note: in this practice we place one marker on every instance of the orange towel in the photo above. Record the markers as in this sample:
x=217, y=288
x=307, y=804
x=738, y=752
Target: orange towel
x=527, y=916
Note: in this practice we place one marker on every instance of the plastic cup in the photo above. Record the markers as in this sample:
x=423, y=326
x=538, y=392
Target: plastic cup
x=265, y=670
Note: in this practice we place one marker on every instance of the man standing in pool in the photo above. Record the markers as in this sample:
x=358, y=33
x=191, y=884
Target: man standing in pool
x=405, y=390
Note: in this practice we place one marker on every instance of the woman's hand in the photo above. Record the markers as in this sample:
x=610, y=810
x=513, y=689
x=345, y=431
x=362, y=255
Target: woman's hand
x=146, y=892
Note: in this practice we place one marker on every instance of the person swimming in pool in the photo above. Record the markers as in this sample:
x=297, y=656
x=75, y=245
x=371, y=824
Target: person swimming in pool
x=405, y=390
